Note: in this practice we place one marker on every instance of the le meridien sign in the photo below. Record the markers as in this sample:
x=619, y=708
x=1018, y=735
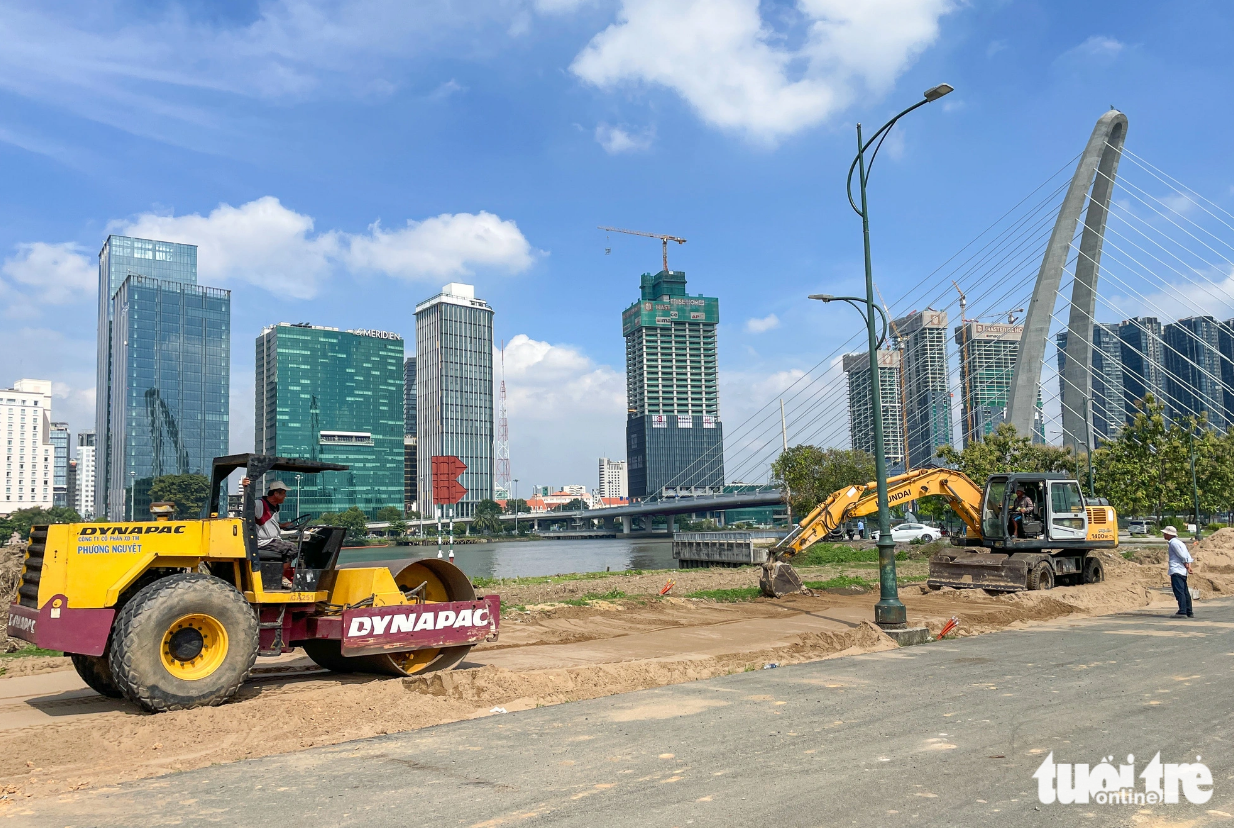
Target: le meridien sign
x=375, y=334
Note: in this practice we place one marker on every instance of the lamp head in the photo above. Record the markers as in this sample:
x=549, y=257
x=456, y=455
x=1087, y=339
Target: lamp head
x=936, y=92
x=822, y=297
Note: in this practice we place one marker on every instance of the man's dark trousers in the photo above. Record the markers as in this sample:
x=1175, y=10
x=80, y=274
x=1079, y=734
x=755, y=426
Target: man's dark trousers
x=1181, y=593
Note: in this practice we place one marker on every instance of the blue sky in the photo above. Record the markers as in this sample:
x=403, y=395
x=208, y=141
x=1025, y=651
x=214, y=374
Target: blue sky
x=339, y=162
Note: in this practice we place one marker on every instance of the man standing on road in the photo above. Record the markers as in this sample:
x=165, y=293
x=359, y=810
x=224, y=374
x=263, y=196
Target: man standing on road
x=861, y=529
x=1180, y=567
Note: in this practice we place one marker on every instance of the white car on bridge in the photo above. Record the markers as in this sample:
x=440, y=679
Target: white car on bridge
x=909, y=532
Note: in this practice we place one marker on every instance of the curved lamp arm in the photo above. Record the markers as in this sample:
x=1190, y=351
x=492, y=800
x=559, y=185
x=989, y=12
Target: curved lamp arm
x=931, y=95
x=859, y=304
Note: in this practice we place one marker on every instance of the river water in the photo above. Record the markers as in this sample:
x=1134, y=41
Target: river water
x=542, y=557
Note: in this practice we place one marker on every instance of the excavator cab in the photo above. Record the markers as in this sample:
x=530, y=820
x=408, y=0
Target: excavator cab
x=1032, y=511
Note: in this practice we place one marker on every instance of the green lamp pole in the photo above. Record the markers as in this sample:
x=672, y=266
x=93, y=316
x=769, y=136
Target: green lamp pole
x=1195, y=489
x=889, y=612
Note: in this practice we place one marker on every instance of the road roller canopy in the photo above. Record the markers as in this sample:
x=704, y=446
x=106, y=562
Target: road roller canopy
x=256, y=465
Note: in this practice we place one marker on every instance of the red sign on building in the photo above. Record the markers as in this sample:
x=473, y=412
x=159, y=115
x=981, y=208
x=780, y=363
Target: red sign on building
x=446, y=489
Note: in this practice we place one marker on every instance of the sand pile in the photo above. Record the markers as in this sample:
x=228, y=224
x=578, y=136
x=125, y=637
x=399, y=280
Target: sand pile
x=1215, y=554
x=118, y=746
x=11, y=559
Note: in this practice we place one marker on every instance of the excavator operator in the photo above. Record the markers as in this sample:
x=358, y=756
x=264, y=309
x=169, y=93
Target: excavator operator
x=1023, y=509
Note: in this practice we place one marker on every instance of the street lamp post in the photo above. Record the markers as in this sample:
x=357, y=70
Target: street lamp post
x=889, y=612
x=298, y=494
x=1195, y=490
x=516, y=507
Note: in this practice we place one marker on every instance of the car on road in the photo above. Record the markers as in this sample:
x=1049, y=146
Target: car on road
x=909, y=532
x=1137, y=526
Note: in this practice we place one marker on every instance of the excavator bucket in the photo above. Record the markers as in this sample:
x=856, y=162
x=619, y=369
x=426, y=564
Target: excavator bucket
x=779, y=579
x=978, y=570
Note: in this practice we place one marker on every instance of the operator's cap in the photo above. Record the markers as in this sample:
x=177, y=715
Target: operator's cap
x=276, y=486
x=1169, y=532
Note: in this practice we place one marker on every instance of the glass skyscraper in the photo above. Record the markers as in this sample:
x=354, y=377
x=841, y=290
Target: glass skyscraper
x=674, y=438
x=1143, y=357
x=454, y=392
x=336, y=397
x=60, y=469
x=1193, y=370
x=1105, y=407
x=120, y=258
x=988, y=354
x=170, y=386
x=410, y=469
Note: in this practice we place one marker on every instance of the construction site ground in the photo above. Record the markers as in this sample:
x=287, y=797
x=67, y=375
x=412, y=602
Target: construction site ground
x=562, y=639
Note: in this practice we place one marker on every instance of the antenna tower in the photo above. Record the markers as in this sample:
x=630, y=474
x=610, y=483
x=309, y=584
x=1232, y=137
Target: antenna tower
x=502, y=472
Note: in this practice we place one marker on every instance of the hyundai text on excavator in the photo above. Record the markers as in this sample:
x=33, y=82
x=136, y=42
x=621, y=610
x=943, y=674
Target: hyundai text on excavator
x=1033, y=530
x=172, y=614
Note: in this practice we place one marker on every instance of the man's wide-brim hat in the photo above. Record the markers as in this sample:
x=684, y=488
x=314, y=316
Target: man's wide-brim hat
x=1169, y=531
x=276, y=486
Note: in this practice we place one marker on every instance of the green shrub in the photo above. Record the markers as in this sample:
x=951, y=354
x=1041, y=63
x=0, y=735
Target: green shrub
x=727, y=596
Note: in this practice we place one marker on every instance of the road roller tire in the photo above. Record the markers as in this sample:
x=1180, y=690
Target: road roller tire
x=443, y=582
x=184, y=641
x=95, y=671
x=326, y=652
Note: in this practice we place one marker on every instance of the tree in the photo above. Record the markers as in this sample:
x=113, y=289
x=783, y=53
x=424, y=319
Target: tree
x=353, y=520
x=389, y=514
x=574, y=505
x=188, y=491
x=811, y=473
x=487, y=518
x=516, y=504
x=21, y=520
x=398, y=528
x=1004, y=450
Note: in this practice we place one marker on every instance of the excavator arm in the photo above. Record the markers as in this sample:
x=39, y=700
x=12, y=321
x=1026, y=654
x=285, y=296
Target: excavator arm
x=962, y=494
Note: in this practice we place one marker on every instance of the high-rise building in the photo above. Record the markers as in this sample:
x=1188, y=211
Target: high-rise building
x=29, y=456
x=674, y=438
x=1193, y=370
x=163, y=383
x=85, y=473
x=170, y=387
x=1143, y=360
x=1105, y=405
x=613, y=481
x=410, y=470
x=927, y=393
x=454, y=392
x=60, y=442
x=988, y=356
x=1225, y=344
x=335, y=397
x=70, y=478
x=861, y=406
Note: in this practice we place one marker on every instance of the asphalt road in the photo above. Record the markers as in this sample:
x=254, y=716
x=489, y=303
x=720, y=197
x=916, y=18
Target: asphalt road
x=948, y=733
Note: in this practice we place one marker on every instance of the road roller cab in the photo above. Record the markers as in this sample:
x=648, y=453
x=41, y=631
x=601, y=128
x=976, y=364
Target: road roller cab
x=172, y=614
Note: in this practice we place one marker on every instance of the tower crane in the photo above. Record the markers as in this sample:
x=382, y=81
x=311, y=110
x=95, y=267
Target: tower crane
x=664, y=240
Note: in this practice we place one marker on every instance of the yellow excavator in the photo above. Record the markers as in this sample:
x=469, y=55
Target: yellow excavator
x=1024, y=531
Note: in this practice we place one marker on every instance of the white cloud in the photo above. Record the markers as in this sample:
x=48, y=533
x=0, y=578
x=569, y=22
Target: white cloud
x=443, y=246
x=564, y=410
x=727, y=62
x=616, y=139
x=47, y=274
x=261, y=242
x=267, y=244
x=1097, y=47
x=767, y=323
x=68, y=361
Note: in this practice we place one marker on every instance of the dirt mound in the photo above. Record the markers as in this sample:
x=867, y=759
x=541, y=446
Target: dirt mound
x=11, y=560
x=1216, y=552
x=117, y=746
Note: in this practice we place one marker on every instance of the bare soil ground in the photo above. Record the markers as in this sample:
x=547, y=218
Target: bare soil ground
x=557, y=645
